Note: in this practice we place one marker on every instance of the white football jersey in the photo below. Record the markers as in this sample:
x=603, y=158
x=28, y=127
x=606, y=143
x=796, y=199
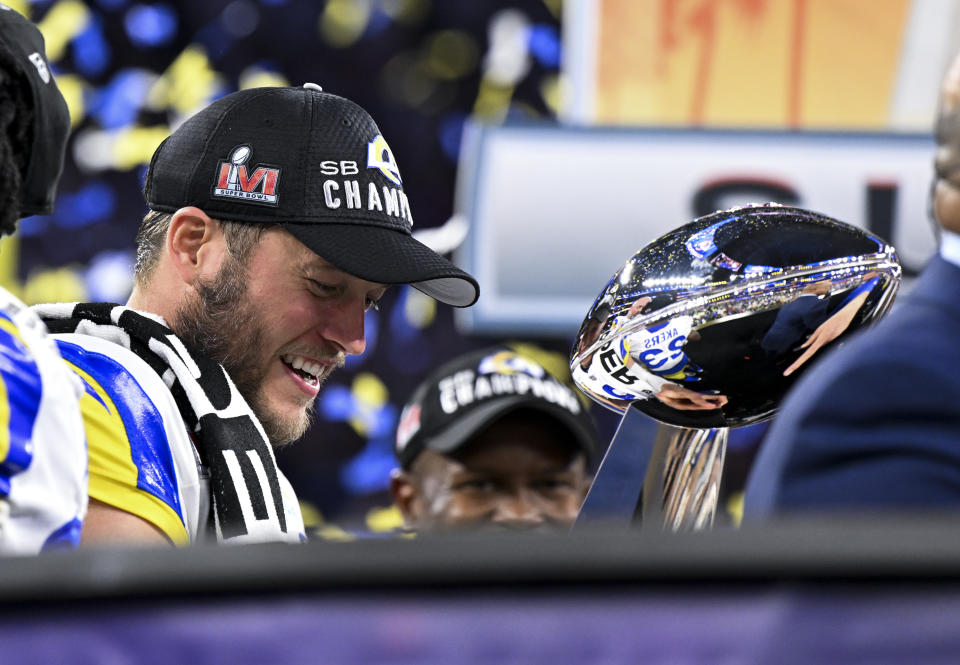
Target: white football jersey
x=608, y=375
x=43, y=453
x=142, y=458
x=659, y=348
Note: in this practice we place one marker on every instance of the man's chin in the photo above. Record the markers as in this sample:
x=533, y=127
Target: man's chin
x=282, y=430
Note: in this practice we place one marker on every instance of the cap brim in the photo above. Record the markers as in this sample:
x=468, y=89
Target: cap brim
x=465, y=427
x=386, y=256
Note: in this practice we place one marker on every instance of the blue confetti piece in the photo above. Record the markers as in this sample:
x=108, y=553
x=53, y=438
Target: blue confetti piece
x=383, y=422
x=401, y=330
x=119, y=102
x=87, y=206
x=34, y=225
x=370, y=470
x=544, y=44
x=215, y=40
x=451, y=131
x=91, y=52
x=107, y=277
x=378, y=22
x=746, y=438
x=336, y=403
x=112, y=5
x=150, y=25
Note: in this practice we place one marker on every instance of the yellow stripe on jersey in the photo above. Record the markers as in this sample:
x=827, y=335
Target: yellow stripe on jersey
x=9, y=327
x=20, y=373
x=113, y=475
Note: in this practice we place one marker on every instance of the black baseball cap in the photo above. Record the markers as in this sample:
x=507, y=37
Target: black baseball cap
x=23, y=44
x=468, y=394
x=315, y=163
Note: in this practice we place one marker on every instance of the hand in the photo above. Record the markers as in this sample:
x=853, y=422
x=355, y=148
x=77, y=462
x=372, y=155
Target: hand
x=828, y=331
x=684, y=399
x=820, y=288
x=637, y=306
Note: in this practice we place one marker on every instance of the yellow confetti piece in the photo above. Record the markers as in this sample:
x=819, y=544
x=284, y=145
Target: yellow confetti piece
x=56, y=285
x=261, y=78
x=554, y=91
x=409, y=12
x=135, y=145
x=187, y=84
x=735, y=508
x=369, y=390
x=343, y=22
x=311, y=514
x=451, y=54
x=64, y=21
x=21, y=6
x=419, y=309
x=555, y=363
x=72, y=87
x=333, y=533
x=9, y=260
x=369, y=396
x=555, y=7
x=384, y=520
x=493, y=100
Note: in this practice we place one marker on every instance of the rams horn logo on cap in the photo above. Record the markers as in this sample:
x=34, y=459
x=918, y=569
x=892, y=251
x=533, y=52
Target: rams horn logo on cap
x=379, y=156
x=509, y=362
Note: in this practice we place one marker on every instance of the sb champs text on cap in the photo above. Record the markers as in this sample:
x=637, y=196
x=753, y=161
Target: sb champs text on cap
x=315, y=163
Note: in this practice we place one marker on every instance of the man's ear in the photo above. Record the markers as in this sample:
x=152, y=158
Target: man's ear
x=406, y=496
x=946, y=202
x=195, y=244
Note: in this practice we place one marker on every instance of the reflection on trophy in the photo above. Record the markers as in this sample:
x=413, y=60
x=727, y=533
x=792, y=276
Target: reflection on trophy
x=707, y=327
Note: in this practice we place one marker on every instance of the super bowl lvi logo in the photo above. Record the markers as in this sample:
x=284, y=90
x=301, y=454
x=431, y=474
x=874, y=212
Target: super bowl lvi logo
x=379, y=156
x=234, y=181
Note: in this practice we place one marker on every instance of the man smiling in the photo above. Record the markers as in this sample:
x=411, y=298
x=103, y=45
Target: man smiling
x=492, y=441
x=277, y=219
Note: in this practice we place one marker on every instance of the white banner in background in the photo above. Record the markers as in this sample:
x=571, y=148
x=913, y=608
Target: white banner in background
x=555, y=211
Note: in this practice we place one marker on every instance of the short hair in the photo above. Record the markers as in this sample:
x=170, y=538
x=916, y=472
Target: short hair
x=16, y=137
x=241, y=238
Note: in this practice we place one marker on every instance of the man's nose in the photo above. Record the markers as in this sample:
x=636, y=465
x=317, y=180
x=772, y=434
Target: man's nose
x=518, y=509
x=343, y=325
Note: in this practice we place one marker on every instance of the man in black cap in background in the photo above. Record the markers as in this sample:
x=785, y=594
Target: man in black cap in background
x=277, y=219
x=492, y=440
x=43, y=459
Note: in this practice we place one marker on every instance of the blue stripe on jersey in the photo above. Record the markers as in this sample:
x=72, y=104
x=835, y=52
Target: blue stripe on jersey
x=149, y=447
x=24, y=389
x=65, y=538
x=93, y=393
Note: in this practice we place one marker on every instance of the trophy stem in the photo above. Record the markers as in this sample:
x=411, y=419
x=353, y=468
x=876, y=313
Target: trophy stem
x=692, y=468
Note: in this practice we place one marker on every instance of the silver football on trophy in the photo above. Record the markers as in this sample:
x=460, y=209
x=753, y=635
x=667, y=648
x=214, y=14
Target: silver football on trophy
x=709, y=325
